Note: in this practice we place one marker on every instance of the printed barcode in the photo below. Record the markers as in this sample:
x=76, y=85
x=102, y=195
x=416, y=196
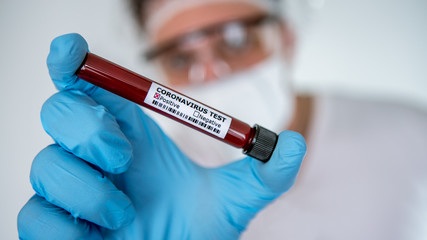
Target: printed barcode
x=186, y=117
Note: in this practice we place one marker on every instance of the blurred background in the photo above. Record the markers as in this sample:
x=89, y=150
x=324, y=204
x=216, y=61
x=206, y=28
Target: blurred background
x=368, y=49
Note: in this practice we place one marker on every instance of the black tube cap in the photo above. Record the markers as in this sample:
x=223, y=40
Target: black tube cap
x=263, y=144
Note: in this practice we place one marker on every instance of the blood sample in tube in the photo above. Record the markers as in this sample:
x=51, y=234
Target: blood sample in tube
x=256, y=141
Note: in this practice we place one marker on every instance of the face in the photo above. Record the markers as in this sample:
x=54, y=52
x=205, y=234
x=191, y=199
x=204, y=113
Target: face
x=214, y=48
x=209, y=41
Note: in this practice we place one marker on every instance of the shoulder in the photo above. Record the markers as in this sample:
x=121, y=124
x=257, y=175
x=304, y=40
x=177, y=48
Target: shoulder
x=366, y=131
x=346, y=114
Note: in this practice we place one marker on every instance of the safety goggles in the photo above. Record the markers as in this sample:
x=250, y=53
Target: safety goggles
x=217, y=50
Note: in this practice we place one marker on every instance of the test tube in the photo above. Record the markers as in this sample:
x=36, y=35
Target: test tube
x=257, y=142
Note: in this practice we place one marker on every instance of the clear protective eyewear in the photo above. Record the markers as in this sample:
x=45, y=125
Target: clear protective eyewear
x=216, y=51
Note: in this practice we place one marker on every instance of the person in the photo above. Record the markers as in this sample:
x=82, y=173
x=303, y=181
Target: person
x=114, y=174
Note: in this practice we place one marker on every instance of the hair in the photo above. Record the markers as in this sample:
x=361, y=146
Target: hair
x=137, y=8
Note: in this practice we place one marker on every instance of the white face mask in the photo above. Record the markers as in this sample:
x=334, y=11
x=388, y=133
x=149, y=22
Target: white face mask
x=260, y=95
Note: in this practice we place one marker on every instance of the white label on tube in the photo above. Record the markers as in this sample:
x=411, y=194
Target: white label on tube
x=188, y=110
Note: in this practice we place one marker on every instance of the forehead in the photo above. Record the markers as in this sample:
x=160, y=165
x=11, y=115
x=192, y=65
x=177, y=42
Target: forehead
x=198, y=17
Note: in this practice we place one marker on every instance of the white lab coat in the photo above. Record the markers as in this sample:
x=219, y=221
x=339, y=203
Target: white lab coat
x=364, y=177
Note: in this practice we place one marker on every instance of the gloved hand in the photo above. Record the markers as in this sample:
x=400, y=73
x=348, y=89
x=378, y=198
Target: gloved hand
x=113, y=174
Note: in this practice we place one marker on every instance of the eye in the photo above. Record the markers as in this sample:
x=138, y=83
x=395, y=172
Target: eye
x=236, y=39
x=178, y=61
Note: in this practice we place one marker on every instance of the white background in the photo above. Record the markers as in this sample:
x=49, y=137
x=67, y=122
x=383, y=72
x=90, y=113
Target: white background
x=366, y=48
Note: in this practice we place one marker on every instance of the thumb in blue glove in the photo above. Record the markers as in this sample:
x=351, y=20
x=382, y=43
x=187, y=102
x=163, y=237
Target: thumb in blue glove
x=112, y=173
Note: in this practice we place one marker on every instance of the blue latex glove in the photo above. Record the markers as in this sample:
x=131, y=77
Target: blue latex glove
x=113, y=174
